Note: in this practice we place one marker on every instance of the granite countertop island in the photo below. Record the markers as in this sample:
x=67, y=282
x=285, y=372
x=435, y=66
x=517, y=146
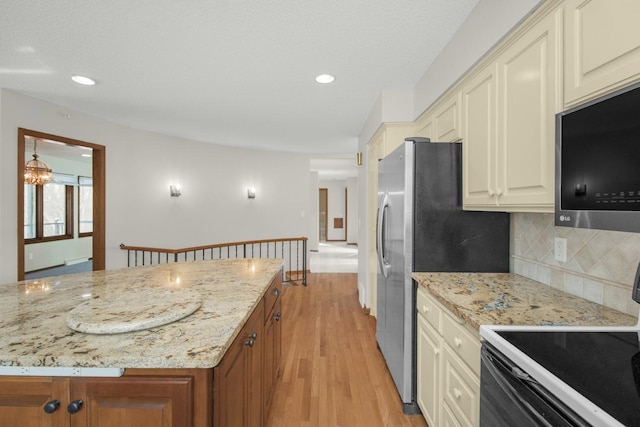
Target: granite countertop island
x=34, y=314
x=510, y=299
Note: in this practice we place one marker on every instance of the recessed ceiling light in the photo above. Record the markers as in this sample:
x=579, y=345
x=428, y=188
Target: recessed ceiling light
x=325, y=78
x=83, y=80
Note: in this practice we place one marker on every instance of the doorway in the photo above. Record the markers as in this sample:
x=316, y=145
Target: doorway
x=26, y=139
x=323, y=213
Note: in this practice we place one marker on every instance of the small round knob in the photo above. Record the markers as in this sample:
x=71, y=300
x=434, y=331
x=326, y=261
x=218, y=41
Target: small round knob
x=457, y=393
x=491, y=192
x=253, y=335
x=498, y=192
x=74, y=406
x=457, y=341
x=276, y=292
x=249, y=343
x=50, y=407
x=277, y=317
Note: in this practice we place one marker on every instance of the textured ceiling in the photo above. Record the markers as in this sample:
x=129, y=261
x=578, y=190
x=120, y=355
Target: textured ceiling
x=231, y=72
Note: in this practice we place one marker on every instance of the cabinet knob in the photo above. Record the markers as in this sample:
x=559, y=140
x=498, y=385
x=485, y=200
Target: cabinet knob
x=50, y=407
x=498, y=192
x=457, y=341
x=253, y=335
x=276, y=292
x=491, y=192
x=74, y=406
x=250, y=342
x=457, y=393
x=425, y=309
x=436, y=351
x=277, y=317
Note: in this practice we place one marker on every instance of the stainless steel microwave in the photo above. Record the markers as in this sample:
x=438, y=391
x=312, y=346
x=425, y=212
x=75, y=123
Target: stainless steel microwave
x=598, y=163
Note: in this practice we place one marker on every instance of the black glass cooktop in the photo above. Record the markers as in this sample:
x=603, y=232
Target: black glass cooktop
x=602, y=366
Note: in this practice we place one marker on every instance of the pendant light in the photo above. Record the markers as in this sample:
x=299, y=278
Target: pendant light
x=36, y=171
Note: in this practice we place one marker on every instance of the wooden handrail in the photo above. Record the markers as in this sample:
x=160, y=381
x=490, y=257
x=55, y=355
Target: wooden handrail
x=215, y=246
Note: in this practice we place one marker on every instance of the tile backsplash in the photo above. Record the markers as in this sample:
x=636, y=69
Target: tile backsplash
x=601, y=265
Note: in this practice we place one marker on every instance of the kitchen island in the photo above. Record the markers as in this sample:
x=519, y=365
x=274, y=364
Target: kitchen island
x=172, y=372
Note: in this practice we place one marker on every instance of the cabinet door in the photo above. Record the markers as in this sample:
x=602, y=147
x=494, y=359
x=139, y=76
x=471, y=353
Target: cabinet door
x=424, y=127
x=133, y=401
x=429, y=347
x=602, y=47
x=528, y=101
x=255, y=352
x=461, y=389
x=272, y=352
x=479, y=136
x=23, y=400
x=447, y=121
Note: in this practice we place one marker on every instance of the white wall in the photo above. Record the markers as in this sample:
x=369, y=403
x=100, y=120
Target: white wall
x=314, y=213
x=140, y=166
x=486, y=25
x=352, y=210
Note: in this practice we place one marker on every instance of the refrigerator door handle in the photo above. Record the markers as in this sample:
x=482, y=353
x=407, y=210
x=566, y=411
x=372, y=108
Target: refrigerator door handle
x=381, y=234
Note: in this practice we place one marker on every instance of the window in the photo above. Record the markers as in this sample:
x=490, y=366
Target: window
x=48, y=212
x=85, y=206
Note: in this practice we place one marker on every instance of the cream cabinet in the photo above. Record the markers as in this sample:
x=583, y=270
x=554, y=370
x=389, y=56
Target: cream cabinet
x=602, y=47
x=388, y=137
x=508, y=124
x=443, y=122
x=448, y=365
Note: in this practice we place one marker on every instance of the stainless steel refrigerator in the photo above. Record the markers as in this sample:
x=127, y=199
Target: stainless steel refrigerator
x=421, y=227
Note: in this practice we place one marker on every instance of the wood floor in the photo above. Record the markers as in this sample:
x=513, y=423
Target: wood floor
x=332, y=373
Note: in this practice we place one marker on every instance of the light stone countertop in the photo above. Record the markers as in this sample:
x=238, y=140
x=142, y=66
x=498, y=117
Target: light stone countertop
x=35, y=333
x=510, y=299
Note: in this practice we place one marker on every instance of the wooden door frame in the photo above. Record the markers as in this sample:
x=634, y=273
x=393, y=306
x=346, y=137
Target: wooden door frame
x=326, y=217
x=99, y=185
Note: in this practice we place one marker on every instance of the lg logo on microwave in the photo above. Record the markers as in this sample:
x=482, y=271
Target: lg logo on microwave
x=565, y=218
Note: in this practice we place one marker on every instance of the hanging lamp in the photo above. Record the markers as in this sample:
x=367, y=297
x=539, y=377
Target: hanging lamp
x=36, y=171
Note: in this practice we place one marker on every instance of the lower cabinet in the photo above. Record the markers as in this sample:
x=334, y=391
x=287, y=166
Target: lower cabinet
x=237, y=397
x=448, y=355
x=245, y=378
x=136, y=399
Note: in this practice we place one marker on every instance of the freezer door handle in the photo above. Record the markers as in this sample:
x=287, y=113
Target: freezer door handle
x=381, y=234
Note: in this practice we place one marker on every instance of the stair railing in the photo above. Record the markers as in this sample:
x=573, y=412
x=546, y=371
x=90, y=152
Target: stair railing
x=292, y=250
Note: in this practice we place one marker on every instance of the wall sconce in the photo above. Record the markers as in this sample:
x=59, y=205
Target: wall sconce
x=359, y=158
x=175, y=190
x=251, y=193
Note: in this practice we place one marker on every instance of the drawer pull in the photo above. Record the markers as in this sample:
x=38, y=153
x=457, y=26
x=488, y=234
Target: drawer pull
x=457, y=393
x=457, y=341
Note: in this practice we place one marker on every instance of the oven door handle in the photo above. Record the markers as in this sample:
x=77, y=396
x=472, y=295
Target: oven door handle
x=499, y=367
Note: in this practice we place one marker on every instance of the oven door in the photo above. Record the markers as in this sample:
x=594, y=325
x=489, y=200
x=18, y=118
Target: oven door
x=509, y=397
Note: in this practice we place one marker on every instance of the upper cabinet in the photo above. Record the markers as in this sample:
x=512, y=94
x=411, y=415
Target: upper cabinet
x=442, y=123
x=602, y=47
x=508, y=123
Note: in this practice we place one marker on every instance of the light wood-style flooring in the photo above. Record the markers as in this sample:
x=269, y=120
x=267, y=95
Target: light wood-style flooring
x=332, y=373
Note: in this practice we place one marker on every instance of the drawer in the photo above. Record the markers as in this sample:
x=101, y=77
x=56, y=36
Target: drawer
x=461, y=389
x=463, y=342
x=272, y=295
x=427, y=308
